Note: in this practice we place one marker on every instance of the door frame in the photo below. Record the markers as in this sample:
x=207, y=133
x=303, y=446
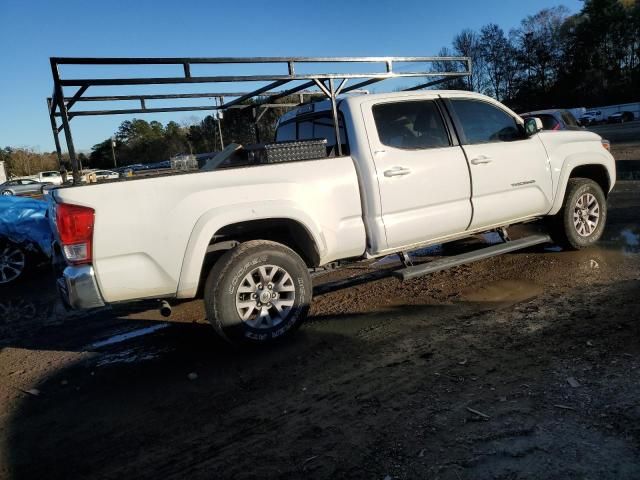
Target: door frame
x=374, y=142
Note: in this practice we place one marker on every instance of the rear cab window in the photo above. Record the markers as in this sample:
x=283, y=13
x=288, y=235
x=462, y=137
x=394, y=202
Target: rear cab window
x=314, y=126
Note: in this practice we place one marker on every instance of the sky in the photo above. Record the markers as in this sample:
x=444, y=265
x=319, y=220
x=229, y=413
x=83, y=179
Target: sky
x=31, y=31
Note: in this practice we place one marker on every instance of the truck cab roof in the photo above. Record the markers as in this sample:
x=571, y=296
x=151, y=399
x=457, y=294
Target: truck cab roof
x=355, y=100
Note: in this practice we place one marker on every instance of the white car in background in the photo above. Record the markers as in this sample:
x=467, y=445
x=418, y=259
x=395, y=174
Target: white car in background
x=51, y=176
x=591, y=117
x=106, y=175
x=93, y=175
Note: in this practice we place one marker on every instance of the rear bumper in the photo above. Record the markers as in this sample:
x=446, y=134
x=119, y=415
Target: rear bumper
x=78, y=288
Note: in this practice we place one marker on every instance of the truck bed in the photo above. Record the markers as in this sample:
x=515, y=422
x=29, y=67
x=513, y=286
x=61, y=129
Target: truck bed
x=155, y=234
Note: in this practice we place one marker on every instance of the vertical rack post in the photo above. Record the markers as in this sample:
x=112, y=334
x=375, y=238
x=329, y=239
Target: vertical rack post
x=334, y=110
x=219, y=123
x=59, y=97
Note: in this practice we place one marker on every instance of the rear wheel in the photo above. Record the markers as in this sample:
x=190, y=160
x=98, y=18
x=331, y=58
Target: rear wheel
x=581, y=221
x=258, y=292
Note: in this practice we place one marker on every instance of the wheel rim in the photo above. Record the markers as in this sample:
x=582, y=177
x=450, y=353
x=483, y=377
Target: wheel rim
x=12, y=262
x=586, y=214
x=7, y=192
x=265, y=297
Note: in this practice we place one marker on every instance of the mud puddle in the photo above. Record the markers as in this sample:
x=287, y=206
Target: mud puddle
x=504, y=292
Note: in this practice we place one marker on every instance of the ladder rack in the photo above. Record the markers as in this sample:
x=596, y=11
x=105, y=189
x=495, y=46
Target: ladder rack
x=300, y=74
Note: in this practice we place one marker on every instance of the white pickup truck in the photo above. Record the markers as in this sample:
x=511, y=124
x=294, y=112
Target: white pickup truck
x=417, y=168
x=51, y=176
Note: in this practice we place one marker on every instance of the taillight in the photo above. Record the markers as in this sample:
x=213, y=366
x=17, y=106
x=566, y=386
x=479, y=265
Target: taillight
x=75, y=228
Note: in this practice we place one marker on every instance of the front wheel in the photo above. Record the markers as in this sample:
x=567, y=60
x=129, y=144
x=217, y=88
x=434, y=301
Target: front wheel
x=581, y=220
x=258, y=292
x=7, y=192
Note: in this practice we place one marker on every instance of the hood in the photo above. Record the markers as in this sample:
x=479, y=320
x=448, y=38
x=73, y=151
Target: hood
x=568, y=136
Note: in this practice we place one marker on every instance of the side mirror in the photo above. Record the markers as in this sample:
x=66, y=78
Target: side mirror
x=532, y=125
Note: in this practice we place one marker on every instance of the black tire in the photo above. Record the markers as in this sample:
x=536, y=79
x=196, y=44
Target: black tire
x=15, y=262
x=240, y=268
x=569, y=228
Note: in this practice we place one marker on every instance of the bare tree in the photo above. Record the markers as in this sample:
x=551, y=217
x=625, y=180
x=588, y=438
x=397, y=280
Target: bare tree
x=24, y=161
x=467, y=44
x=540, y=45
x=497, y=55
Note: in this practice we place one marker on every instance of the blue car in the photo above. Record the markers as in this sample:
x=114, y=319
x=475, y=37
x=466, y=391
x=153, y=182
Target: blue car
x=25, y=237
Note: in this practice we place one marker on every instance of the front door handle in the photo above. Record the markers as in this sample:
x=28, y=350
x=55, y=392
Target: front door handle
x=481, y=159
x=397, y=172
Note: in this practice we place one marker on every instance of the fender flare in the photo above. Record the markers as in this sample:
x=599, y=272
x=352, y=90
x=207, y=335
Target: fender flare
x=579, y=160
x=216, y=218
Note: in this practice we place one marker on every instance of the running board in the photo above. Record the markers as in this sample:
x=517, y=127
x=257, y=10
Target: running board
x=480, y=254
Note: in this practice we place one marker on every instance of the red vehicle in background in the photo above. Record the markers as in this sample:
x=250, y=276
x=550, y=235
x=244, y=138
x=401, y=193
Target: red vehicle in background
x=556, y=119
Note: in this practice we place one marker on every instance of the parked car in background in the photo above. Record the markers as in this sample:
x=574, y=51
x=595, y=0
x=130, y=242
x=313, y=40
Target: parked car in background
x=51, y=176
x=93, y=175
x=591, y=117
x=621, y=117
x=555, y=119
x=3, y=172
x=22, y=186
x=25, y=237
x=106, y=175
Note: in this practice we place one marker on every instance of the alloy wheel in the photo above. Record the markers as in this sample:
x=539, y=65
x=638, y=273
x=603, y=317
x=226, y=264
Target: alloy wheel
x=265, y=296
x=12, y=263
x=586, y=214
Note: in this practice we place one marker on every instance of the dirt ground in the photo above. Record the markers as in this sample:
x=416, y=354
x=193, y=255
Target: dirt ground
x=522, y=366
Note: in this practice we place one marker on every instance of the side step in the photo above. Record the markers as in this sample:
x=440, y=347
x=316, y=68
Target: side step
x=480, y=254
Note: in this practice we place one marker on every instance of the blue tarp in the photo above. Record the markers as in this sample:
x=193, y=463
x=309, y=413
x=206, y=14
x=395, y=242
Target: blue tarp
x=24, y=221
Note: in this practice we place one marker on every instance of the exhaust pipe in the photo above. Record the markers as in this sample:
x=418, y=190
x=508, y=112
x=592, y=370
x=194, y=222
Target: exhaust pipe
x=165, y=308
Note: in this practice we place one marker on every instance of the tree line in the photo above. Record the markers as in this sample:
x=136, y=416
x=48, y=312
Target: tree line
x=25, y=161
x=556, y=60
x=139, y=141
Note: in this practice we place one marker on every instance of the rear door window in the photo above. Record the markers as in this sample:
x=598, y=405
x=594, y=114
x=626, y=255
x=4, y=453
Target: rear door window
x=485, y=123
x=412, y=125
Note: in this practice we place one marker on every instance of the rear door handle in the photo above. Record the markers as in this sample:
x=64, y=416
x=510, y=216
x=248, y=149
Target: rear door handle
x=397, y=172
x=481, y=159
